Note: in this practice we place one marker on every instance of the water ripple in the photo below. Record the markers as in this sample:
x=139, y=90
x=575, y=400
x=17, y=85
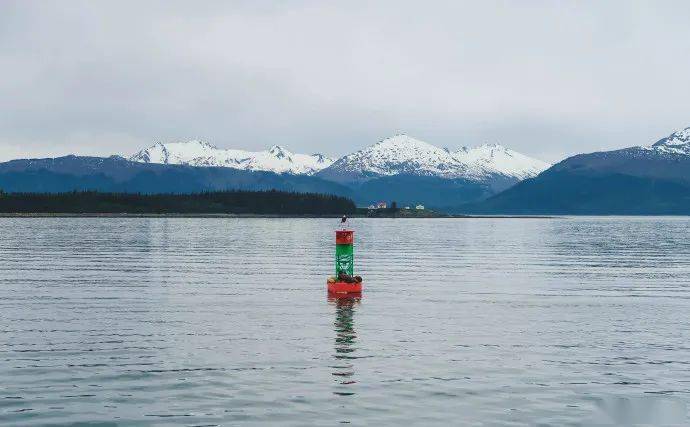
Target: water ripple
x=217, y=321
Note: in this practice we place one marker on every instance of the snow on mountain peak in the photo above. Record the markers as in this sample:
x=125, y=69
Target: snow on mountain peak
x=399, y=154
x=403, y=142
x=402, y=154
x=676, y=143
x=172, y=153
x=495, y=158
x=279, y=152
x=199, y=153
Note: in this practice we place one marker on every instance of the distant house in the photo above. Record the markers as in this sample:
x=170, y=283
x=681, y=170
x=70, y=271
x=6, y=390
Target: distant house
x=407, y=207
x=381, y=205
x=420, y=207
x=372, y=206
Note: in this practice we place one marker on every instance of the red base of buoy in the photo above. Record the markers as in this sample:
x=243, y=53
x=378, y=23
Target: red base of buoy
x=340, y=298
x=344, y=288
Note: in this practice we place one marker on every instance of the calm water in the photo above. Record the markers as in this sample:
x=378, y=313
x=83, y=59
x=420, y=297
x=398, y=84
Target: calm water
x=226, y=322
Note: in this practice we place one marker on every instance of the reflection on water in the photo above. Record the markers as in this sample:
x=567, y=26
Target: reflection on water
x=345, y=342
x=222, y=321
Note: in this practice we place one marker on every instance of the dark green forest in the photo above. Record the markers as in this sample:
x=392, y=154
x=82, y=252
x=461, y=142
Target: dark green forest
x=221, y=202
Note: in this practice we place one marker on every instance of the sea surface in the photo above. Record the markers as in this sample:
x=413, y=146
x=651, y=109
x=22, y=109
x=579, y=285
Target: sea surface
x=226, y=321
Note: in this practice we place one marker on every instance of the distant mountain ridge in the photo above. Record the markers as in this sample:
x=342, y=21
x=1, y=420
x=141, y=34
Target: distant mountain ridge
x=396, y=155
x=676, y=143
x=408, y=170
x=405, y=155
x=117, y=174
x=653, y=179
x=199, y=153
x=399, y=168
x=637, y=180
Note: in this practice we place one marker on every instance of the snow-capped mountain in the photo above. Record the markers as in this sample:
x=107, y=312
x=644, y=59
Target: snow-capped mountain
x=489, y=159
x=667, y=159
x=396, y=155
x=651, y=179
x=676, y=143
x=199, y=153
x=404, y=155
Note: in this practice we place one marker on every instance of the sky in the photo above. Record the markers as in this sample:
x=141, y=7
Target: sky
x=546, y=78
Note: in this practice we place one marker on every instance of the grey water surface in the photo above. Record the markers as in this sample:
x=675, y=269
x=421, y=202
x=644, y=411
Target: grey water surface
x=225, y=321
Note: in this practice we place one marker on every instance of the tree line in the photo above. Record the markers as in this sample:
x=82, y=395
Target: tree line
x=218, y=202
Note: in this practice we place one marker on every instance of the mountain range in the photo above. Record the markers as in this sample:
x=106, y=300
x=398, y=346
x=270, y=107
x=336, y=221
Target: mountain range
x=399, y=154
x=404, y=155
x=400, y=167
x=117, y=174
x=637, y=180
x=199, y=153
x=488, y=179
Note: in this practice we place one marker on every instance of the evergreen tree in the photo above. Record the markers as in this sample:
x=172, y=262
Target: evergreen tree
x=240, y=202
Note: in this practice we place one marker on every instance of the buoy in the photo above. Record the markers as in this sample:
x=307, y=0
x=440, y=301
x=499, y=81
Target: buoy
x=344, y=263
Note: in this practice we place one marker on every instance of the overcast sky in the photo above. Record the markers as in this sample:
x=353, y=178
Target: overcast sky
x=549, y=78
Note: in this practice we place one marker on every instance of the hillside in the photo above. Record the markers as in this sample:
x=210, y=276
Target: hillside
x=116, y=174
x=638, y=180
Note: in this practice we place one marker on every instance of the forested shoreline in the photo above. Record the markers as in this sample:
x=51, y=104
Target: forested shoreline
x=219, y=202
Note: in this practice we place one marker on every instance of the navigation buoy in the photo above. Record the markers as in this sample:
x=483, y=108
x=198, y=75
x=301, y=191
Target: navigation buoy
x=344, y=281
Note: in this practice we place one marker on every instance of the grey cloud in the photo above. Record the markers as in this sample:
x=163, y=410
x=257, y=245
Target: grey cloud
x=545, y=78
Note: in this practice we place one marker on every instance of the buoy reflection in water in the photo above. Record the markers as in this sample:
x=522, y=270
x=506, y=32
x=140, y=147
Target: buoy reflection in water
x=345, y=342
